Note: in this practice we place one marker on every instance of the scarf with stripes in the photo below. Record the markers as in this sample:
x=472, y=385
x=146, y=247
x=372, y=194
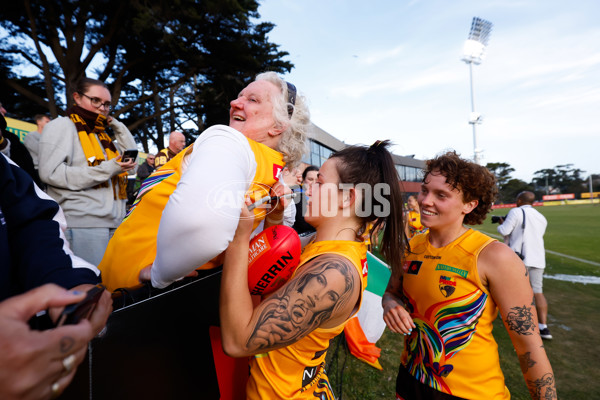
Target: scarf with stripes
x=97, y=145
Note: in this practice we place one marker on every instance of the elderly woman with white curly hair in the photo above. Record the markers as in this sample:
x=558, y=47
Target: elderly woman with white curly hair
x=187, y=212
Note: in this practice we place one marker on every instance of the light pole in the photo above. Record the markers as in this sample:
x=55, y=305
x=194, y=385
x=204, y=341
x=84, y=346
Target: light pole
x=474, y=52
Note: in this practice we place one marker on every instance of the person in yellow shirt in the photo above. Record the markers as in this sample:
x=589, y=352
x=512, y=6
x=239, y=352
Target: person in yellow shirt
x=186, y=212
x=450, y=289
x=412, y=221
x=288, y=333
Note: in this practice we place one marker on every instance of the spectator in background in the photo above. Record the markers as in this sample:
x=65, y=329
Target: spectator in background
x=176, y=144
x=309, y=176
x=412, y=221
x=32, y=140
x=292, y=179
x=11, y=146
x=83, y=170
x=523, y=231
x=146, y=168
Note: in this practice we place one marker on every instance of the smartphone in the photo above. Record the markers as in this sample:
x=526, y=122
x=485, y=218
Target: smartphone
x=73, y=313
x=129, y=155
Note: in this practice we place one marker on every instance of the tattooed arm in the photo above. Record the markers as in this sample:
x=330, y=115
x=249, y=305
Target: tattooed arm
x=394, y=312
x=501, y=272
x=323, y=293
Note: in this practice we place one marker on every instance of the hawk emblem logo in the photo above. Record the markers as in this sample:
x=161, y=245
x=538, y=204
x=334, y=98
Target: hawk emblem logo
x=447, y=285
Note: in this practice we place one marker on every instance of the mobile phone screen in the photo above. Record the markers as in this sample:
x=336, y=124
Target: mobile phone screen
x=129, y=155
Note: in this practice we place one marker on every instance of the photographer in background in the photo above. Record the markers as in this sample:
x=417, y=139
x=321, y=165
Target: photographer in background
x=523, y=232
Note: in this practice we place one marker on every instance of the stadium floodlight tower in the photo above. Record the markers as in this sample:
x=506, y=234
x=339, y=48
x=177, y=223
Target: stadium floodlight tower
x=474, y=53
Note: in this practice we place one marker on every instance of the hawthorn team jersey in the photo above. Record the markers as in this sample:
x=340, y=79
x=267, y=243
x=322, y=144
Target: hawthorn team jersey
x=133, y=245
x=297, y=371
x=414, y=223
x=452, y=349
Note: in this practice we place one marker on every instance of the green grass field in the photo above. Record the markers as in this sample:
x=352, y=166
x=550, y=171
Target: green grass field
x=573, y=319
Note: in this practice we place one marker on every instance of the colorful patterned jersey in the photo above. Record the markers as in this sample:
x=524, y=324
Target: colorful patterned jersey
x=297, y=371
x=452, y=349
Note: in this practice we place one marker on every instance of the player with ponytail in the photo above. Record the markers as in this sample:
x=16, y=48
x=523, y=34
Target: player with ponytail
x=289, y=332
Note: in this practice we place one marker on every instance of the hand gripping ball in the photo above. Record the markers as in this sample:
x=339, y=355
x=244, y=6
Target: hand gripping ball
x=273, y=256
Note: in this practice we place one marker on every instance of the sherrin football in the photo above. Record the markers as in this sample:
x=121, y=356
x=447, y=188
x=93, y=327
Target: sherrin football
x=273, y=256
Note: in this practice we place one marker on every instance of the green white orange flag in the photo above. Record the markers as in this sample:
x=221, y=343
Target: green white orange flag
x=366, y=327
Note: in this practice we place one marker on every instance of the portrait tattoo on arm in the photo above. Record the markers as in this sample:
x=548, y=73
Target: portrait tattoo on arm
x=543, y=388
x=320, y=289
x=520, y=320
x=526, y=362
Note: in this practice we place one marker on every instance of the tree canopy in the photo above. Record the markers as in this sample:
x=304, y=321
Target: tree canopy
x=508, y=187
x=560, y=179
x=165, y=62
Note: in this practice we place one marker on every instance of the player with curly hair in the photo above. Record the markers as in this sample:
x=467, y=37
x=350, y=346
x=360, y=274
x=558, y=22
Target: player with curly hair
x=449, y=291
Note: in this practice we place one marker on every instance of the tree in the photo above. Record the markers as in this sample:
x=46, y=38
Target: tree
x=502, y=173
x=513, y=187
x=165, y=62
x=560, y=179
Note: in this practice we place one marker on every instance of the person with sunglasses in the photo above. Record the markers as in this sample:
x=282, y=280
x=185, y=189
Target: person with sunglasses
x=83, y=171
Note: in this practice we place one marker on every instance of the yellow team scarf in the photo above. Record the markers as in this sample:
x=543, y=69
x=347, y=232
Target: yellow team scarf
x=91, y=140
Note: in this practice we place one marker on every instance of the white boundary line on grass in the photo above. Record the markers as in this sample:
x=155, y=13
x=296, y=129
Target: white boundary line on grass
x=596, y=264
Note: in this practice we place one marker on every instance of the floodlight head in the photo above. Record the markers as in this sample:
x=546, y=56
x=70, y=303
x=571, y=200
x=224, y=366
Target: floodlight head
x=480, y=30
x=474, y=51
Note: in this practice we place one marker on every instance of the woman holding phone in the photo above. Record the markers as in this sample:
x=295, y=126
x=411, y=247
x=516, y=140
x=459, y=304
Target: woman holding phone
x=83, y=169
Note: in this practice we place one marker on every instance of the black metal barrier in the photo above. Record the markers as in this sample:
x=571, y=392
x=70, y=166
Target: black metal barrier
x=156, y=345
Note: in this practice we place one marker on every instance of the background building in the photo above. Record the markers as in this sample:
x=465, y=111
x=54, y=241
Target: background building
x=322, y=145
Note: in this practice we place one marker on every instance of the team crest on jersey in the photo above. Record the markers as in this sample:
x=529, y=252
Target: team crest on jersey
x=412, y=267
x=365, y=267
x=447, y=285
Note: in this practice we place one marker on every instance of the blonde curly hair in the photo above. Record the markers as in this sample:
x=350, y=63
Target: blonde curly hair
x=293, y=143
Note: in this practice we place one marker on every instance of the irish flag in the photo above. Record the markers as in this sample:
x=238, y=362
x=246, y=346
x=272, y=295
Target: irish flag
x=367, y=326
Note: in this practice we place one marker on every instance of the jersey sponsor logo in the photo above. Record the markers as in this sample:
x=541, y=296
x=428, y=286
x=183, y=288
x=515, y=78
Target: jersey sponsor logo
x=428, y=257
x=412, y=267
x=447, y=285
x=365, y=267
x=458, y=271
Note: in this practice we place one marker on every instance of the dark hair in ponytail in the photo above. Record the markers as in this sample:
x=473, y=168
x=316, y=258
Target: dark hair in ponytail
x=373, y=165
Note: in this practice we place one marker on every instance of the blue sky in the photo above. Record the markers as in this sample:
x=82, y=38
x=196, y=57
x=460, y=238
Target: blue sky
x=392, y=70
